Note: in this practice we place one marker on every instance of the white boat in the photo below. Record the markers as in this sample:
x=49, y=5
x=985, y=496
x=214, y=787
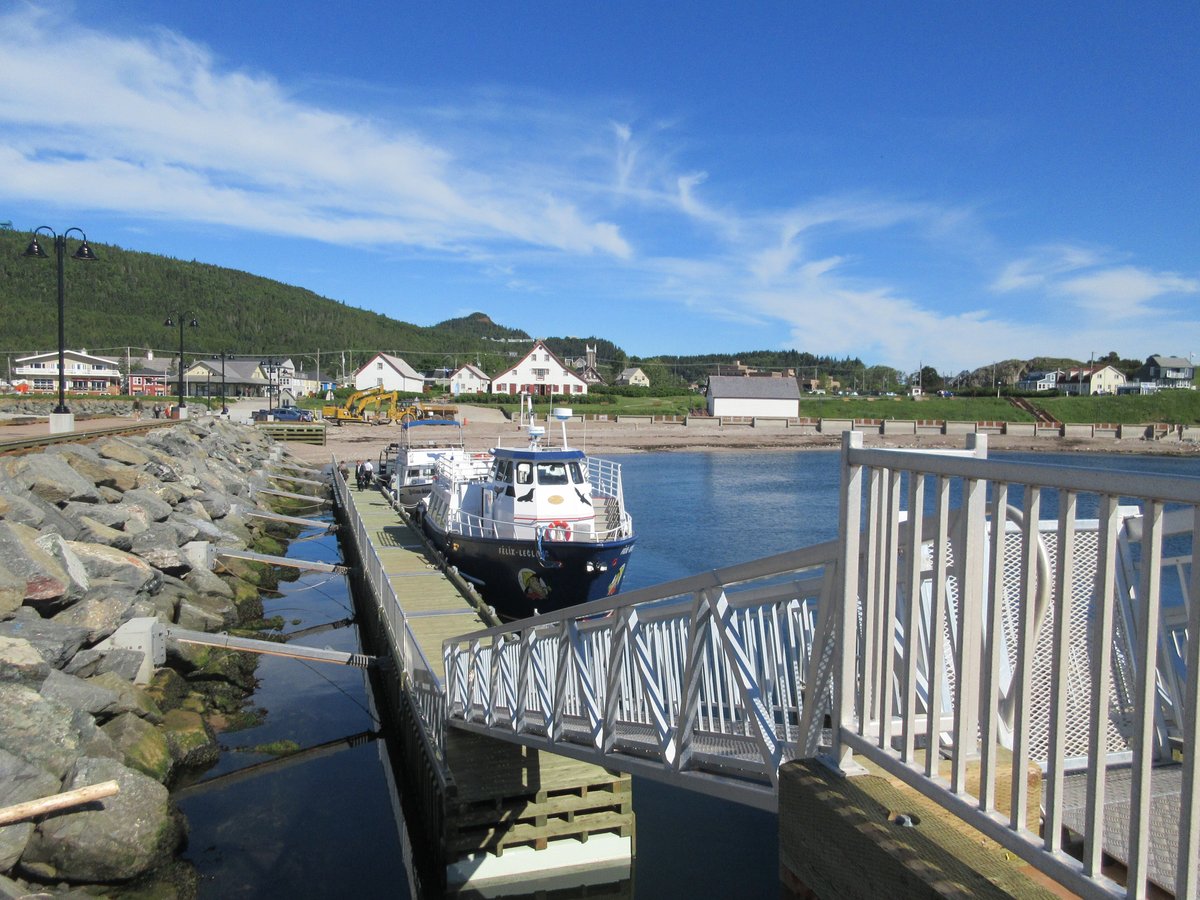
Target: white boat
x=534, y=528
x=409, y=465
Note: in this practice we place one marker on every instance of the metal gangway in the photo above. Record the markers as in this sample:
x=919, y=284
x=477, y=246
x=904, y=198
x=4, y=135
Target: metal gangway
x=972, y=611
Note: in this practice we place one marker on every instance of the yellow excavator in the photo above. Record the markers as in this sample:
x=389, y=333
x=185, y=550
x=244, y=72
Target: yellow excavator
x=376, y=406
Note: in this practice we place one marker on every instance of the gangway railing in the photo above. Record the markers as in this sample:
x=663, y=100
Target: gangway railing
x=949, y=626
x=425, y=691
x=1052, y=641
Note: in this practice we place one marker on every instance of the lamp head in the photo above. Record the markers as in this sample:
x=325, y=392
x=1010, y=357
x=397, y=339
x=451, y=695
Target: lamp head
x=34, y=249
x=85, y=253
x=170, y=323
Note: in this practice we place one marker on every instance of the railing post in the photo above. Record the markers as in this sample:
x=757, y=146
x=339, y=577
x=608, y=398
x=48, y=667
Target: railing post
x=845, y=626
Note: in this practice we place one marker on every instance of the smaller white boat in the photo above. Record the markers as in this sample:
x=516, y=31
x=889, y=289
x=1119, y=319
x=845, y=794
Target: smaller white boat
x=408, y=466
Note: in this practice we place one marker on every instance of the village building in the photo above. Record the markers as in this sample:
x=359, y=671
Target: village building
x=469, y=379
x=82, y=372
x=390, y=373
x=1171, y=372
x=633, y=377
x=242, y=378
x=585, y=367
x=1088, y=382
x=737, y=395
x=541, y=373
x=149, y=376
x=1040, y=381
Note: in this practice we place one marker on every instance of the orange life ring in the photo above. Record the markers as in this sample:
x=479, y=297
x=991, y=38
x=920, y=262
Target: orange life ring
x=558, y=530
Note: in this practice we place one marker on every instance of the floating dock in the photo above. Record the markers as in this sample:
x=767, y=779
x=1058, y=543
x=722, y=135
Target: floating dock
x=495, y=813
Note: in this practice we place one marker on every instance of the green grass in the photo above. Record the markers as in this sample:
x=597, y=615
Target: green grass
x=1174, y=407
x=956, y=409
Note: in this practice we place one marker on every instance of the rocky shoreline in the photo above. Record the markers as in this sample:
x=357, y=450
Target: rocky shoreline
x=91, y=536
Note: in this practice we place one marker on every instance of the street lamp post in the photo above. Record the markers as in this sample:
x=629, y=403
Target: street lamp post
x=223, y=356
x=170, y=323
x=61, y=420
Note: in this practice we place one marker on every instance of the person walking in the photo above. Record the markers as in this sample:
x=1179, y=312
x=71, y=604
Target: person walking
x=368, y=473
x=360, y=474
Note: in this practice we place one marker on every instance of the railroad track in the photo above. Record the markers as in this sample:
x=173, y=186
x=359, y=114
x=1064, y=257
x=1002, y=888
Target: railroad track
x=29, y=443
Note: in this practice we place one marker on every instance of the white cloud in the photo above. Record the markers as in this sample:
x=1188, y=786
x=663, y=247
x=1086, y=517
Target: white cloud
x=158, y=127
x=1124, y=292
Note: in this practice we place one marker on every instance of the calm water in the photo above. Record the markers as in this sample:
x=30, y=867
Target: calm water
x=323, y=826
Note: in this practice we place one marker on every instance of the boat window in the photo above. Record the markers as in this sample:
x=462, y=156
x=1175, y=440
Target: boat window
x=577, y=473
x=552, y=473
x=524, y=473
x=503, y=471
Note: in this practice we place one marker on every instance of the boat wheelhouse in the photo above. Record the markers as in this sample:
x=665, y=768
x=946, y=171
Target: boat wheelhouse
x=534, y=528
x=408, y=466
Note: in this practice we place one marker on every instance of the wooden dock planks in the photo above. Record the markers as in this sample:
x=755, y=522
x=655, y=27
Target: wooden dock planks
x=503, y=795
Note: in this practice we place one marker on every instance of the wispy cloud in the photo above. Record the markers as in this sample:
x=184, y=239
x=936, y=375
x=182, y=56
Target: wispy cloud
x=163, y=128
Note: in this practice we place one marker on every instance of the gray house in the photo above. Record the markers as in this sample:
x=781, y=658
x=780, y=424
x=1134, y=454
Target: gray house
x=738, y=395
x=1168, y=372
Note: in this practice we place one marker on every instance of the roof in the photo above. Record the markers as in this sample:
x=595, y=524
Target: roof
x=471, y=370
x=75, y=354
x=396, y=363
x=539, y=345
x=1170, y=362
x=738, y=387
x=629, y=373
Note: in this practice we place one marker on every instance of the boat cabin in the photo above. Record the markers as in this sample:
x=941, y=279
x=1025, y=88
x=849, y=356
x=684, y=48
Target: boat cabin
x=550, y=487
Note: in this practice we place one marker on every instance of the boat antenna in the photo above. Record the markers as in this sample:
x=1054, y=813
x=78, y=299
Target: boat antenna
x=563, y=414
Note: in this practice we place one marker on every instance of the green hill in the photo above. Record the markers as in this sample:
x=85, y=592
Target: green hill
x=123, y=298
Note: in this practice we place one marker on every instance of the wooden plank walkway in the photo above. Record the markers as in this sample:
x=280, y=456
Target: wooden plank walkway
x=435, y=608
x=503, y=796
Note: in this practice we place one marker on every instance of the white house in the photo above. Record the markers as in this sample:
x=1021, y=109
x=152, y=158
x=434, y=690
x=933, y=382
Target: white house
x=390, y=373
x=1040, y=381
x=469, y=379
x=540, y=372
x=635, y=377
x=738, y=395
x=82, y=372
x=1103, y=380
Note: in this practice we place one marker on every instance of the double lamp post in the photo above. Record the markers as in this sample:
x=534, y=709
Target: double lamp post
x=62, y=419
x=184, y=319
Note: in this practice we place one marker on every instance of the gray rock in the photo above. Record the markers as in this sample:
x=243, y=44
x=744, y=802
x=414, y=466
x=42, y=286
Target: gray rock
x=107, y=564
x=59, y=548
x=155, y=507
x=20, y=663
x=122, y=450
x=37, y=730
x=101, y=612
x=204, y=582
x=56, y=642
x=48, y=476
x=159, y=546
x=12, y=591
x=114, y=515
x=216, y=504
x=186, y=528
x=206, y=613
x=45, y=579
x=22, y=509
x=100, y=472
x=92, y=739
x=79, y=694
x=123, y=662
x=116, y=839
x=95, y=532
x=20, y=782
x=130, y=698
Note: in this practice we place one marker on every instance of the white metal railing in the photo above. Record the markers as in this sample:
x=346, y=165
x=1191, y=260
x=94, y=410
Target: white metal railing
x=423, y=687
x=1024, y=673
x=949, y=626
x=699, y=680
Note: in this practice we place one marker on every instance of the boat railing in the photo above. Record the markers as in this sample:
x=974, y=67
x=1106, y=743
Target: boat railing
x=605, y=477
x=584, y=531
x=459, y=468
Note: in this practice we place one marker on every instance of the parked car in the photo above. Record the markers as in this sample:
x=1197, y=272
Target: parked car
x=284, y=414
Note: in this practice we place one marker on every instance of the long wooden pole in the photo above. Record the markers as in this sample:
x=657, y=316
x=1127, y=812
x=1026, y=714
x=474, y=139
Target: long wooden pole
x=32, y=808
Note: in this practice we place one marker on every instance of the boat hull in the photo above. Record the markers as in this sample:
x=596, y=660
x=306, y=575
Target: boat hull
x=517, y=583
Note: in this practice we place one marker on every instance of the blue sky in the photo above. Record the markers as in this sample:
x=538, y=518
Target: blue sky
x=946, y=183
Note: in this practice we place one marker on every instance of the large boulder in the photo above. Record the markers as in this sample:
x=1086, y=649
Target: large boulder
x=122, y=450
x=114, y=840
x=112, y=566
x=159, y=546
x=20, y=663
x=101, y=612
x=95, y=532
x=103, y=473
x=155, y=507
x=60, y=548
x=20, y=782
x=45, y=579
x=190, y=739
x=56, y=642
x=48, y=476
x=38, y=730
x=12, y=591
x=145, y=747
x=79, y=694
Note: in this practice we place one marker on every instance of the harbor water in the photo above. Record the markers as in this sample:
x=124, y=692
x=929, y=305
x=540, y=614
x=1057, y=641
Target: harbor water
x=323, y=826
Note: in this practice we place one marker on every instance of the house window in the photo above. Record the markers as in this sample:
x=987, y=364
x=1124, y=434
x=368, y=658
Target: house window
x=379, y=366
x=540, y=374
